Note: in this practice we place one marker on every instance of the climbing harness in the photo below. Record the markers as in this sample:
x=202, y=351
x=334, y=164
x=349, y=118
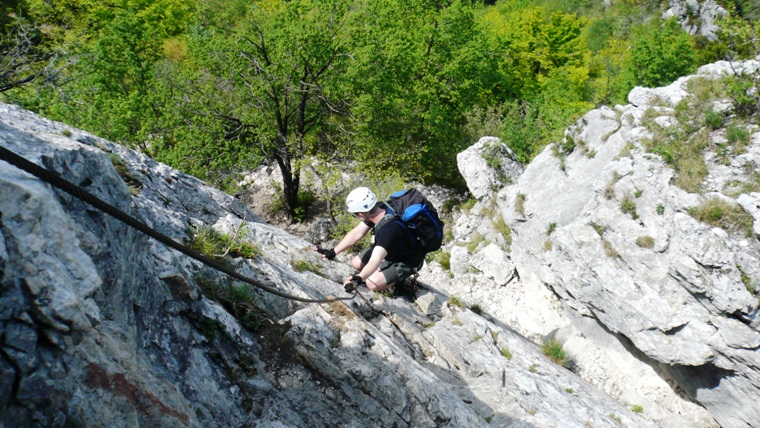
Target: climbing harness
x=56, y=180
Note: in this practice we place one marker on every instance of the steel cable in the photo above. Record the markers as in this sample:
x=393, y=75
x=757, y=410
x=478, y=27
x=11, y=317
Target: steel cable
x=56, y=180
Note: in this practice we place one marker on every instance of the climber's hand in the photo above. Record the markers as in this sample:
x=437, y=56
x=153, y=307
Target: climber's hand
x=328, y=254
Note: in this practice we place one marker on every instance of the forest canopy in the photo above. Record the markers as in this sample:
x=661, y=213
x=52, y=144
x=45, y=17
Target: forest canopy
x=213, y=87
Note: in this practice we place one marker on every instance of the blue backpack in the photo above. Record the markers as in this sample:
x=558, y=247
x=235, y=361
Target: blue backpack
x=412, y=209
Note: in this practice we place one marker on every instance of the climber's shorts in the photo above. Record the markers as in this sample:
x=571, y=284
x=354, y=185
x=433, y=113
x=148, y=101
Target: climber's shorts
x=393, y=272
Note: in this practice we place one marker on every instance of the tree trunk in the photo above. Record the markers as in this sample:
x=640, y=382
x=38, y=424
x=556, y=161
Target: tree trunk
x=291, y=181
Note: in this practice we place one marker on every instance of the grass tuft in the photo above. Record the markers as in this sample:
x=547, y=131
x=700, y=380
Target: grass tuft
x=728, y=216
x=552, y=348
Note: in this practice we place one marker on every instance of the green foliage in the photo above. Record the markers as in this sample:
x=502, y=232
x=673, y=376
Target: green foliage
x=713, y=120
x=522, y=129
x=637, y=408
x=737, y=135
x=661, y=51
x=738, y=38
x=506, y=353
x=216, y=87
x=428, y=67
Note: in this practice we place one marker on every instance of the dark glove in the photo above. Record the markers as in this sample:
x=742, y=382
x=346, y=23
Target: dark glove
x=329, y=254
x=356, y=281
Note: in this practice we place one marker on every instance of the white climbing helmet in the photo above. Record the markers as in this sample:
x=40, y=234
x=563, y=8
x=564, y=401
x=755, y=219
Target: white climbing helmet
x=360, y=200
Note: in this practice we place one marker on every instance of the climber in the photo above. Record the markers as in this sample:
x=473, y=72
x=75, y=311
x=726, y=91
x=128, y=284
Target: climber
x=391, y=258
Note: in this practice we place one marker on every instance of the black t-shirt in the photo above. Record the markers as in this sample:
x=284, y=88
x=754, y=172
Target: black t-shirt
x=400, y=243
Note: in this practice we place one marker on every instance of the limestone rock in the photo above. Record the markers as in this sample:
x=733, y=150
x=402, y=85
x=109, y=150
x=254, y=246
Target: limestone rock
x=474, y=164
x=104, y=326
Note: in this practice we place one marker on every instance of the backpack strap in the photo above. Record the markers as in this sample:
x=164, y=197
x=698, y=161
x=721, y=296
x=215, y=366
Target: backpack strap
x=383, y=221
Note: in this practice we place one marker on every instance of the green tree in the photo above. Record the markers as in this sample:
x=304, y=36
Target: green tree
x=545, y=69
x=418, y=67
x=661, y=51
x=111, y=49
x=26, y=51
x=280, y=67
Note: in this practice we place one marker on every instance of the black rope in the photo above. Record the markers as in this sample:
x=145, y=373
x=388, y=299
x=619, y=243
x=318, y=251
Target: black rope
x=56, y=180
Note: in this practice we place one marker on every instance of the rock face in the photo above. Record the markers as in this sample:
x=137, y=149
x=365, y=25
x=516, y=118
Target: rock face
x=103, y=326
x=696, y=17
x=648, y=300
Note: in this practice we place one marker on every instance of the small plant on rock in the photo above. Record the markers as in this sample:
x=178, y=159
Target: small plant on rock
x=609, y=249
x=443, y=258
x=215, y=244
x=303, y=265
x=552, y=348
x=456, y=301
x=645, y=241
x=729, y=217
x=629, y=207
x=520, y=204
x=551, y=228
